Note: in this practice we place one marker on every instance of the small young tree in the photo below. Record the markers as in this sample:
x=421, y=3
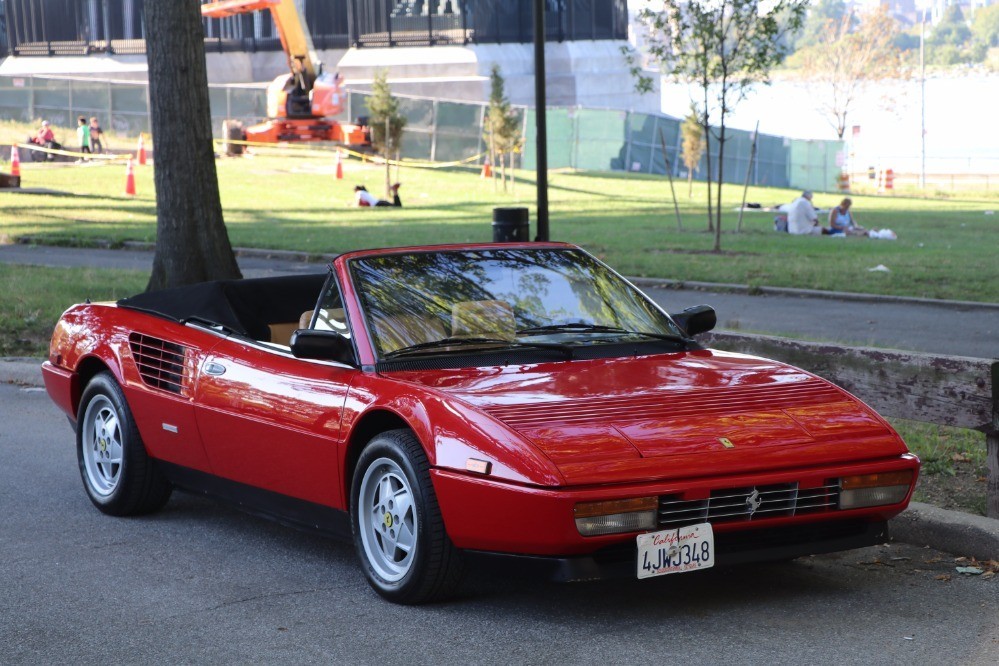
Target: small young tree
x=502, y=128
x=692, y=145
x=722, y=48
x=849, y=57
x=387, y=124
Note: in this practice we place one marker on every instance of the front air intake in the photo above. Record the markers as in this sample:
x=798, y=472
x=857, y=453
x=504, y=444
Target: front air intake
x=160, y=363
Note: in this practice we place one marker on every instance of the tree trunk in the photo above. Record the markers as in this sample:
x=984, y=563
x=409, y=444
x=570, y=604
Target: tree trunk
x=192, y=244
x=708, y=179
x=387, y=153
x=502, y=161
x=690, y=183
x=721, y=175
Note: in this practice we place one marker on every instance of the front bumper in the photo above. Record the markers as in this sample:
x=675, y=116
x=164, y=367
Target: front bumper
x=485, y=514
x=733, y=548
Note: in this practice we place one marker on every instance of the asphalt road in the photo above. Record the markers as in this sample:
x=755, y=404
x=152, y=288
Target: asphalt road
x=915, y=327
x=201, y=583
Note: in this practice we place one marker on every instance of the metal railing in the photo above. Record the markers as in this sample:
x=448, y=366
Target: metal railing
x=81, y=27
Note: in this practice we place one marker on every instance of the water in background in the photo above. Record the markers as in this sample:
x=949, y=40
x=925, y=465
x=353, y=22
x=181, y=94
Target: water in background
x=961, y=121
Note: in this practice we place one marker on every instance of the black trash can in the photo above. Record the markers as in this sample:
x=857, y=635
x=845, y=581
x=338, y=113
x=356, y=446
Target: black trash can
x=510, y=225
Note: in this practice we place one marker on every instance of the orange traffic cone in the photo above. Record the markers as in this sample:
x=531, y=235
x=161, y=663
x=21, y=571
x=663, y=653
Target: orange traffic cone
x=487, y=170
x=339, y=166
x=142, y=152
x=130, y=179
x=15, y=162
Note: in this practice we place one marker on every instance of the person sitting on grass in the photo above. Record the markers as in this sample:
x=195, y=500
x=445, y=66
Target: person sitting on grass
x=366, y=199
x=802, y=218
x=841, y=220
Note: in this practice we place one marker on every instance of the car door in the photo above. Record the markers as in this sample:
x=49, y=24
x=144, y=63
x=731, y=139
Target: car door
x=272, y=421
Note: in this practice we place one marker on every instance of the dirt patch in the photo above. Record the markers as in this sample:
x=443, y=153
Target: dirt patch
x=960, y=489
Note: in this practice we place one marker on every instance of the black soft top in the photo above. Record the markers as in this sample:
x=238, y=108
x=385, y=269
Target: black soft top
x=245, y=307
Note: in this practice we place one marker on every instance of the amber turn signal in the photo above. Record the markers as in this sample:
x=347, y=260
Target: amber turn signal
x=590, y=509
x=899, y=478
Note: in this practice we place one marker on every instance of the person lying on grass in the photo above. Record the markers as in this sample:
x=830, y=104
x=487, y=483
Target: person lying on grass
x=366, y=199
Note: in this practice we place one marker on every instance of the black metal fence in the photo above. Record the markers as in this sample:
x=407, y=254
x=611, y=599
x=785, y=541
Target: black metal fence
x=80, y=27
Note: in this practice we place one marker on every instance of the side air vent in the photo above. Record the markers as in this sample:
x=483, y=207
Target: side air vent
x=160, y=363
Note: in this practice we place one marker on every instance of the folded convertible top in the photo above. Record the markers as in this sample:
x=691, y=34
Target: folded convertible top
x=245, y=307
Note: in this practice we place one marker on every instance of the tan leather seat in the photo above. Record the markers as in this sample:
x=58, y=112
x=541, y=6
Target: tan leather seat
x=483, y=319
x=398, y=331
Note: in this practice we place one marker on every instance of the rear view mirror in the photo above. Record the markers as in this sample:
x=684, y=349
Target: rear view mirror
x=322, y=346
x=695, y=320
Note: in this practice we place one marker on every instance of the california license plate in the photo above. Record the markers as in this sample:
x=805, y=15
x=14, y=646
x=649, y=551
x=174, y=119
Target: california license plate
x=676, y=551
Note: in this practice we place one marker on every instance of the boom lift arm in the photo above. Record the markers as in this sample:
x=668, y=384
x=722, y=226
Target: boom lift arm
x=297, y=102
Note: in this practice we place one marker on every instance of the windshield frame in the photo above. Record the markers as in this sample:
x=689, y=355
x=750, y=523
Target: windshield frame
x=380, y=358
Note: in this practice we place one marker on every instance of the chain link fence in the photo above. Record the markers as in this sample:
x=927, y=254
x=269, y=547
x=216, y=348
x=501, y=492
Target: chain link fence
x=442, y=131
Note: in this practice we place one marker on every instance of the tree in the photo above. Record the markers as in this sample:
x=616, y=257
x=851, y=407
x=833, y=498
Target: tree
x=192, y=244
x=387, y=124
x=821, y=15
x=985, y=27
x=847, y=61
x=692, y=145
x=502, y=131
x=722, y=48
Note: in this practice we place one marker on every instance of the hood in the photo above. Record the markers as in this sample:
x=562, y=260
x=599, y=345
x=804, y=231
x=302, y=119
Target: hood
x=671, y=416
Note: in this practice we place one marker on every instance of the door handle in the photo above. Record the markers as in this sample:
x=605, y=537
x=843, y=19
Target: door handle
x=214, y=369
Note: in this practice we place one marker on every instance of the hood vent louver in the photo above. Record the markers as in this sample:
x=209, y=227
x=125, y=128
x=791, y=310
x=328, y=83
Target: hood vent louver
x=160, y=363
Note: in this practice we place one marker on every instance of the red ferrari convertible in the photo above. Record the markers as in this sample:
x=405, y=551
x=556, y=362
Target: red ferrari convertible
x=520, y=404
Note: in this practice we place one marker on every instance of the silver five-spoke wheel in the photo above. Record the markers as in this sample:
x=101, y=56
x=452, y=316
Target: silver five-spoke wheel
x=388, y=519
x=102, y=445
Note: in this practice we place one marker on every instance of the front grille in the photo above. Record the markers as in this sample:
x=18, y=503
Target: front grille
x=160, y=363
x=728, y=505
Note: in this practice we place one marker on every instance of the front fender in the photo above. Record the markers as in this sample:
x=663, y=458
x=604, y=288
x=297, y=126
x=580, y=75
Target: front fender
x=452, y=431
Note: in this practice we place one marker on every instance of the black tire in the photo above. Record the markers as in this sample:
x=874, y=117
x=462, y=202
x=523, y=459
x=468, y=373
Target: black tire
x=436, y=569
x=135, y=486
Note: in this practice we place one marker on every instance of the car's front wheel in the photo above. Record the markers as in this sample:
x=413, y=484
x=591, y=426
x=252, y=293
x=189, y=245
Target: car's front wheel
x=404, y=549
x=119, y=476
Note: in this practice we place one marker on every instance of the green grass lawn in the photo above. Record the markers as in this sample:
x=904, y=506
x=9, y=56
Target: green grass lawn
x=946, y=248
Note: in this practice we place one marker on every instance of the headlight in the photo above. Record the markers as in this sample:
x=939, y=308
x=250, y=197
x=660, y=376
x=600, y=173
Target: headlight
x=880, y=489
x=610, y=517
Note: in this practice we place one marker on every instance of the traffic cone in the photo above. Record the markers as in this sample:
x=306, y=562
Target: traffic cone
x=15, y=162
x=487, y=170
x=142, y=152
x=339, y=166
x=130, y=179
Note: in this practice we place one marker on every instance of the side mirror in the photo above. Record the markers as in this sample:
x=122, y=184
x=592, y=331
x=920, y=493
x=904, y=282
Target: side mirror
x=695, y=320
x=322, y=346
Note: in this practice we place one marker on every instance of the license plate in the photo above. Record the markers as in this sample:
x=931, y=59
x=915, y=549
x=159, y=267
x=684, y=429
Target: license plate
x=676, y=551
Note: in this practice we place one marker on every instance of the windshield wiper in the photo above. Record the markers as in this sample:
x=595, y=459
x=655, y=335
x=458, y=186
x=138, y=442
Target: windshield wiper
x=459, y=342
x=596, y=328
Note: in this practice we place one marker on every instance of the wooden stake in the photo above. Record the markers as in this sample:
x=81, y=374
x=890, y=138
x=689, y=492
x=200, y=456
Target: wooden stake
x=749, y=171
x=669, y=172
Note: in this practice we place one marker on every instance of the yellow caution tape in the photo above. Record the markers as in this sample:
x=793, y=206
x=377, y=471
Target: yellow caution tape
x=365, y=157
x=70, y=153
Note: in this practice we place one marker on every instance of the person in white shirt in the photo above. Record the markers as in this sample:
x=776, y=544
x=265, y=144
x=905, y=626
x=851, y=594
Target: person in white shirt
x=802, y=218
x=366, y=199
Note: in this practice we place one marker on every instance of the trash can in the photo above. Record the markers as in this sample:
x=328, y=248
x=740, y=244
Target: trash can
x=510, y=225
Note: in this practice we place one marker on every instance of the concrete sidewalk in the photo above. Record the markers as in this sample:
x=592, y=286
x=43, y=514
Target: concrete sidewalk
x=937, y=327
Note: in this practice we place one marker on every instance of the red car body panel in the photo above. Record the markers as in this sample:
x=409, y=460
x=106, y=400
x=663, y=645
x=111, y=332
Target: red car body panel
x=555, y=433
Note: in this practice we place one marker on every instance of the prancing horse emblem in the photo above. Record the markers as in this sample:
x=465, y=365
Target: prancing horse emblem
x=753, y=501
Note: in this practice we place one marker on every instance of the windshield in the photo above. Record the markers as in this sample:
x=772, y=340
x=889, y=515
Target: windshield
x=421, y=302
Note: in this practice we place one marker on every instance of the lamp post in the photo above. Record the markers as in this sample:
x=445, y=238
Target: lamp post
x=922, y=101
x=541, y=146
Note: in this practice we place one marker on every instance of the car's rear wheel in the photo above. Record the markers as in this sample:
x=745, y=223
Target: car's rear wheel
x=404, y=549
x=118, y=475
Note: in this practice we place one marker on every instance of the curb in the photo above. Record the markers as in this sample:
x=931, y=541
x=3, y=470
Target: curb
x=809, y=293
x=23, y=371
x=953, y=532
x=921, y=524
x=660, y=283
